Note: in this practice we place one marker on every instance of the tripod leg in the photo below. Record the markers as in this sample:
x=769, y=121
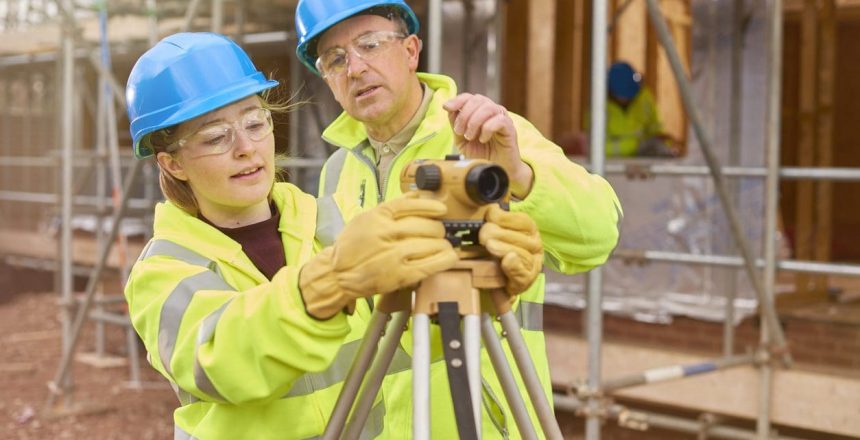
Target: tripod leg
x=374, y=377
x=530, y=377
x=472, y=343
x=356, y=375
x=420, y=376
x=506, y=378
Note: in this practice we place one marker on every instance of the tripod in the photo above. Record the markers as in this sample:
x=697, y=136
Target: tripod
x=459, y=293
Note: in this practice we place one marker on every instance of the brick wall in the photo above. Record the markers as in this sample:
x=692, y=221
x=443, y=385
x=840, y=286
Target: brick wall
x=813, y=343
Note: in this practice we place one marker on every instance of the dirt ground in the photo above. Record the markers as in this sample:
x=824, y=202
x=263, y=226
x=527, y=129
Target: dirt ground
x=102, y=404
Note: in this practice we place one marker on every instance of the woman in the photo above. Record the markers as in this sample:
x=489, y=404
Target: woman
x=236, y=302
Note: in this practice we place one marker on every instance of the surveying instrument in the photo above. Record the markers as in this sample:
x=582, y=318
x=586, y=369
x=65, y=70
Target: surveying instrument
x=466, y=294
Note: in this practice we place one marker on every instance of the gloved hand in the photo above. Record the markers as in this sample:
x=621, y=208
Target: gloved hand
x=513, y=238
x=394, y=245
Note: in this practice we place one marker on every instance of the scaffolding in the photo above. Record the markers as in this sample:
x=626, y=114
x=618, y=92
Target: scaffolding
x=588, y=398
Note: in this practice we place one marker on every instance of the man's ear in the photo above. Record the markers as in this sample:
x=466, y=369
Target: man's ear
x=172, y=165
x=413, y=49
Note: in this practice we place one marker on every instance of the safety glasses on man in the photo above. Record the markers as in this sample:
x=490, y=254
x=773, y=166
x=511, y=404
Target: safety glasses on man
x=333, y=61
x=218, y=137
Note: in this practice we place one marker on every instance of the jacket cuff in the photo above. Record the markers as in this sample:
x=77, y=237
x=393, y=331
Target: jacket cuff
x=318, y=287
x=538, y=193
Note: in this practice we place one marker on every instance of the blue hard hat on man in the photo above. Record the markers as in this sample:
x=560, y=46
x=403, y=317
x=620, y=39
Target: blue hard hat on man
x=623, y=81
x=184, y=76
x=313, y=17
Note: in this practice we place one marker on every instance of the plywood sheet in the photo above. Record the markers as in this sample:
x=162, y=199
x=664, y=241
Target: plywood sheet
x=85, y=249
x=802, y=399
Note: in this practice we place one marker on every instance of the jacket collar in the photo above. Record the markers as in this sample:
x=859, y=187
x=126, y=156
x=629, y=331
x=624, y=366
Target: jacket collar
x=347, y=132
x=297, y=227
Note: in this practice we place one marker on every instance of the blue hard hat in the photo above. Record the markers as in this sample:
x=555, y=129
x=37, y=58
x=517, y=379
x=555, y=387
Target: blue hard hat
x=313, y=17
x=184, y=76
x=624, y=81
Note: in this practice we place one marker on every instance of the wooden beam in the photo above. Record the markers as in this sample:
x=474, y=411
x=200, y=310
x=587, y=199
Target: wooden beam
x=826, y=87
x=806, y=137
x=663, y=83
x=569, y=69
x=541, y=62
x=630, y=30
x=514, y=55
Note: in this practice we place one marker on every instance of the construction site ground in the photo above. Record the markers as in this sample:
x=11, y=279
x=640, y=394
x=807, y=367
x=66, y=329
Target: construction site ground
x=105, y=406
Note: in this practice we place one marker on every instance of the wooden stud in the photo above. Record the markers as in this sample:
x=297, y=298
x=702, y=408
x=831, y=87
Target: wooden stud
x=824, y=189
x=540, y=65
x=806, y=136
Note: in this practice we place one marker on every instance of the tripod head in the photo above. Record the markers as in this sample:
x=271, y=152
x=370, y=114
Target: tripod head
x=467, y=187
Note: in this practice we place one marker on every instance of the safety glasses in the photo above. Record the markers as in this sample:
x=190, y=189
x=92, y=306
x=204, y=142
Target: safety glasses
x=334, y=61
x=219, y=138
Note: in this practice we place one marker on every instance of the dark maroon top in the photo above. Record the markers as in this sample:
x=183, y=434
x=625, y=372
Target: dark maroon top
x=261, y=242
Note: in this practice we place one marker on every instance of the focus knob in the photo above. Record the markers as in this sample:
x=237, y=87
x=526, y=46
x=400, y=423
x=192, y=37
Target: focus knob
x=428, y=177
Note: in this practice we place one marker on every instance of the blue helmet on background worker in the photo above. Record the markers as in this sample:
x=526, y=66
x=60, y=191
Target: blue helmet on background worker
x=313, y=17
x=623, y=81
x=184, y=76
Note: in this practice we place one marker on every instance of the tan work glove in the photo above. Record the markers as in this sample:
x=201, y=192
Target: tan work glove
x=394, y=245
x=513, y=238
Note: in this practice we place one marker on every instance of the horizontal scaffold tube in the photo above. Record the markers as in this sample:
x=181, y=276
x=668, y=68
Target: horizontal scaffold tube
x=732, y=261
x=643, y=420
x=676, y=372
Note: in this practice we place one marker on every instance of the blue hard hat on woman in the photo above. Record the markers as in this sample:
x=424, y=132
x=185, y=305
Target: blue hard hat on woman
x=313, y=17
x=623, y=81
x=184, y=76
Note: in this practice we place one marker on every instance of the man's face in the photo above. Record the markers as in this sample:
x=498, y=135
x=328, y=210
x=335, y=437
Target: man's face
x=373, y=91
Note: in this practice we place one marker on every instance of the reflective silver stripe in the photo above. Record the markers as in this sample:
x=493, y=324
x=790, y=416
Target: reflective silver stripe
x=329, y=218
x=180, y=434
x=174, y=308
x=204, y=335
x=551, y=260
x=170, y=249
x=177, y=302
x=375, y=422
x=530, y=315
x=372, y=428
x=185, y=398
x=494, y=409
x=374, y=425
x=339, y=368
x=336, y=372
x=400, y=362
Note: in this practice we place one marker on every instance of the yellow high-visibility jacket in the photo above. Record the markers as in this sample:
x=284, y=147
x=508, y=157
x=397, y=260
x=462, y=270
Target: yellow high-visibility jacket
x=577, y=214
x=240, y=350
x=627, y=127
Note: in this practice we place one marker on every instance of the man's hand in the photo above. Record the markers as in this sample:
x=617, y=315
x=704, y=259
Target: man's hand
x=513, y=238
x=484, y=130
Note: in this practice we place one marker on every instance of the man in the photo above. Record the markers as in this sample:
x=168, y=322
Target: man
x=367, y=52
x=633, y=126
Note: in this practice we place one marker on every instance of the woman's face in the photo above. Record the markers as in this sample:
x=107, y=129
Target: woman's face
x=231, y=180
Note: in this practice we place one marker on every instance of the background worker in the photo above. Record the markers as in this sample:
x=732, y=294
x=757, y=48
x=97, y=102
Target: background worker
x=633, y=126
x=367, y=53
x=236, y=302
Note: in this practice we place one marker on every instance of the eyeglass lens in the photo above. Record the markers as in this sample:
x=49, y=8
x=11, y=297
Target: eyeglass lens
x=367, y=47
x=216, y=139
